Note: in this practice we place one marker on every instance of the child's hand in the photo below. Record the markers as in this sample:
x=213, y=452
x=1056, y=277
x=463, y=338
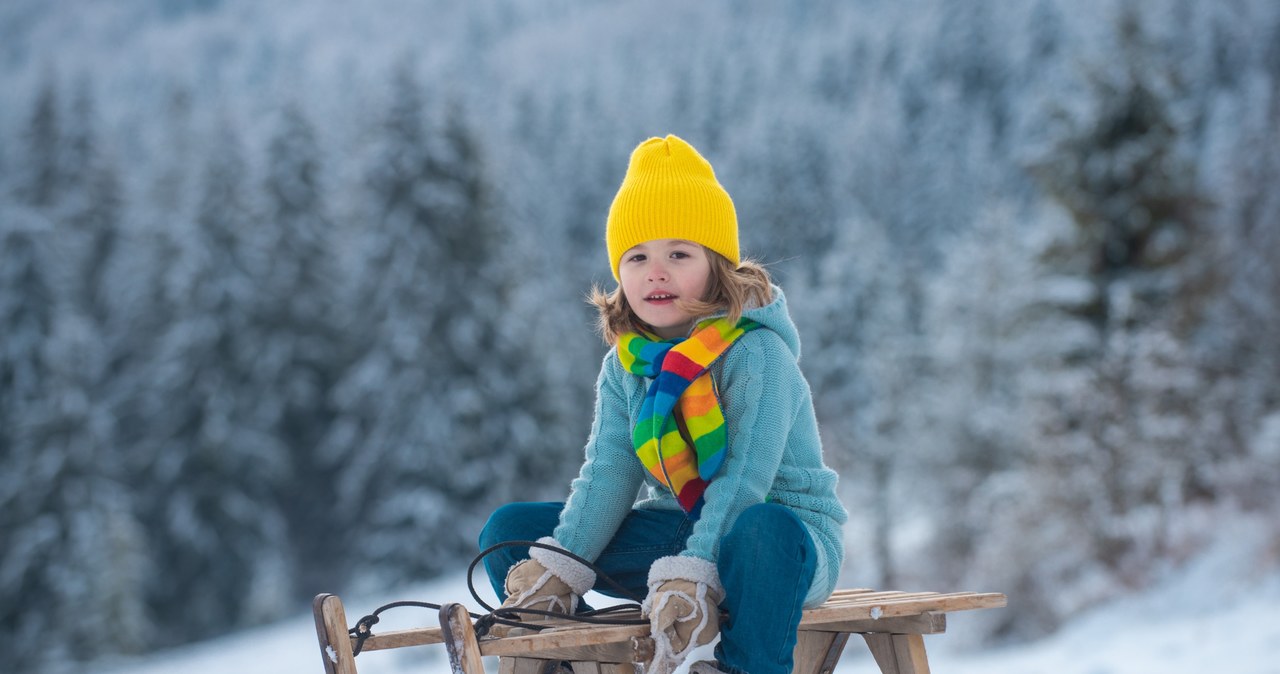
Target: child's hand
x=547, y=581
x=683, y=617
x=531, y=585
x=683, y=611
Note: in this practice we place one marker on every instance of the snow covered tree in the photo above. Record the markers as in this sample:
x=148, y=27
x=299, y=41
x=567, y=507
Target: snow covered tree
x=977, y=347
x=26, y=538
x=797, y=181
x=969, y=60
x=93, y=211
x=214, y=468
x=72, y=544
x=1118, y=435
x=1246, y=315
x=296, y=339
x=95, y=563
x=862, y=355
x=40, y=179
x=422, y=407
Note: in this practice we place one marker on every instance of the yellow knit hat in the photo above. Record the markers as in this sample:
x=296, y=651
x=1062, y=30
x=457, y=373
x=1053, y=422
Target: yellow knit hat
x=670, y=192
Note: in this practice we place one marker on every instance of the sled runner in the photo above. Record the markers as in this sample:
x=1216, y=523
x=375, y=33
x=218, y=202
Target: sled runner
x=893, y=624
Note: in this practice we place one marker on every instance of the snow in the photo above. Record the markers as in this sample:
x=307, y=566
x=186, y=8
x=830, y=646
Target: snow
x=1217, y=610
x=194, y=186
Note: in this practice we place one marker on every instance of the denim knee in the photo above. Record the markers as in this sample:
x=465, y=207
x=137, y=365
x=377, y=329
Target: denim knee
x=764, y=525
x=514, y=522
x=503, y=525
x=520, y=522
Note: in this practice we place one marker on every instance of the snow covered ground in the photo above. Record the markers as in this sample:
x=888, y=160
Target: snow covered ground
x=1219, y=612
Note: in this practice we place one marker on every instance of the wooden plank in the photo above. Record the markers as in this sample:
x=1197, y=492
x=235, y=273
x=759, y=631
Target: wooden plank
x=520, y=666
x=817, y=652
x=931, y=622
x=331, y=629
x=580, y=667
x=827, y=617
x=880, y=597
x=875, y=594
x=613, y=651
x=875, y=597
x=425, y=636
x=322, y=632
x=562, y=644
x=421, y=636
x=460, y=640
x=904, y=616
x=898, y=653
x=872, y=595
x=898, y=607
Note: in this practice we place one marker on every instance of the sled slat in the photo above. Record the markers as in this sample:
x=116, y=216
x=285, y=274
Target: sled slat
x=891, y=622
x=421, y=636
x=460, y=639
x=331, y=629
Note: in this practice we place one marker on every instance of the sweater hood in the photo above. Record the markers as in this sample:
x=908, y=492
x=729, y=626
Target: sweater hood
x=775, y=316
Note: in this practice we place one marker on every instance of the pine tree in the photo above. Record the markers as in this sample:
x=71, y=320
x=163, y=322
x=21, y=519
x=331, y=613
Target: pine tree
x=77, y=549
x=92, y=215
x=1247, y=313
x=97, y=565
x=293, y=327
x=215, y=468
x=975, y=316
x=1116, y=414
x=858, y=331
x=969, y=60
x=28, y=536
x=795, y=187
x=392, y=425
x=41, y=180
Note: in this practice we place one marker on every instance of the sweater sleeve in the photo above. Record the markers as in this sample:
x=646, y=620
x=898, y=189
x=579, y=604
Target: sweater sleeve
x=606, y=487
x=761, y=393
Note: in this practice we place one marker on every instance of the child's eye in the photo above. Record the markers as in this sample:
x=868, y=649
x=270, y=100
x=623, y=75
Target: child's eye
x=679, y=254
x=638, y=257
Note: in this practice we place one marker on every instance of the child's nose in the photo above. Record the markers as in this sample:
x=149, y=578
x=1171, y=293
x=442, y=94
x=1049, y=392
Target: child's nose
x=657, y=272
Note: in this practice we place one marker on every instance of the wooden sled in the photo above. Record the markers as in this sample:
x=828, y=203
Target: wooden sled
x=893, y=624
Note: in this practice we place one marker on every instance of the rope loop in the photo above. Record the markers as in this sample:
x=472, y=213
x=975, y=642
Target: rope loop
x=363, y=628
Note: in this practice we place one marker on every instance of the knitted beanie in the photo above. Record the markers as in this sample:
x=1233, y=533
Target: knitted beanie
x=670, y=192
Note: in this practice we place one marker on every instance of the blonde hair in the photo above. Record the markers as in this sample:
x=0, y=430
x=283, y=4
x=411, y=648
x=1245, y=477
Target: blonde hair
x=730, y=289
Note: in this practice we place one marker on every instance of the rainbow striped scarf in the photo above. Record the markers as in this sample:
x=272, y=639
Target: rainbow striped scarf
x=679, y=371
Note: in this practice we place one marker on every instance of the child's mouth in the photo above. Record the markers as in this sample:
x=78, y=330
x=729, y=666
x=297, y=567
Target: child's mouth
x=660, y=298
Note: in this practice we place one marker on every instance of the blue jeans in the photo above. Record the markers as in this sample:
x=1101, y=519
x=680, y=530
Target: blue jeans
x=766, y=565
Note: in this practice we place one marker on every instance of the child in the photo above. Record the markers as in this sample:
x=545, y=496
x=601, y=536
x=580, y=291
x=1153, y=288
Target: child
x=701, y=401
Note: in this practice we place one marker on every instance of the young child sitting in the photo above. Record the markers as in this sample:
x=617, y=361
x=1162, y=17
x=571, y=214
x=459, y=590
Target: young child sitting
x=701, y=402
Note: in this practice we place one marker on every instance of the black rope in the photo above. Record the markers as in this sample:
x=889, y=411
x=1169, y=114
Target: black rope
x=363, y=628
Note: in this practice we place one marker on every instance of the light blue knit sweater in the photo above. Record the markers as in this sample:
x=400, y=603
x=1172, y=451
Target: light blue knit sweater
x=773, y=451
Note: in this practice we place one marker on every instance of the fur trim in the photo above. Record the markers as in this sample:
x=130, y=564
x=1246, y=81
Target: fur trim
x=706, y=593
x=665, y=657
x=579, y=577
x=684, y=567
x=533, y=597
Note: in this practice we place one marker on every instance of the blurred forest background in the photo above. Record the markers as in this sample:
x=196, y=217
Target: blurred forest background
x=291, y=293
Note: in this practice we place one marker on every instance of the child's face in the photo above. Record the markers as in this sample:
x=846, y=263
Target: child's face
x=656, y=273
